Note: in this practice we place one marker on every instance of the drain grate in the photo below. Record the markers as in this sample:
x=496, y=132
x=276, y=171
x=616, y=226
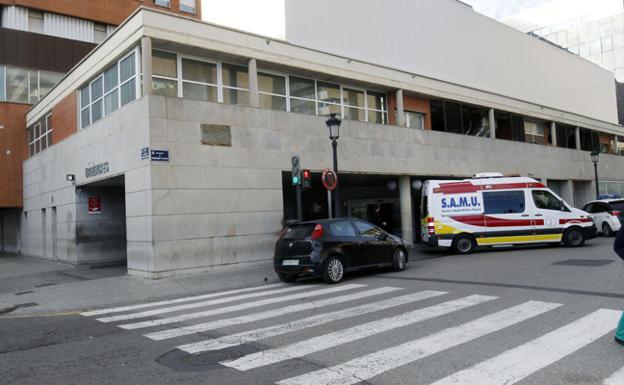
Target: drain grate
x=584, y=262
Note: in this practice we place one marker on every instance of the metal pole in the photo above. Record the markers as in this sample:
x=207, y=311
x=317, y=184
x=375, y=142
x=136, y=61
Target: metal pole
x=337, y=189
x=596, y=174
x=329, y=204
x=299, y=205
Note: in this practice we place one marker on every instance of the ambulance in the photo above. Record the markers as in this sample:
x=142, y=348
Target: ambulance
x=496, y=210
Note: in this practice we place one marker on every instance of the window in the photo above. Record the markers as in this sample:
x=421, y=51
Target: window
x=99, y=32
x=504, y=202
x=342, y=229
x=165, y=73
x=199, y=80
x=368, y=230
x=187, y=6
x=47, y=80
x=546, y=201
x=354, y=106
x=272, y=91
x=17, y=84
x=302, y=95
x=2, y=93
x=376, y=105
x=113, y=88
x=534, y=132
x=40, y=136
x=414, y=120
x=235, y=84
x=328, y=98
x=35, y=21
x=163, y=3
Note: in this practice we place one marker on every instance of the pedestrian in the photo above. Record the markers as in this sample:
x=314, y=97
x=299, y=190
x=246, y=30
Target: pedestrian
x=618, y=247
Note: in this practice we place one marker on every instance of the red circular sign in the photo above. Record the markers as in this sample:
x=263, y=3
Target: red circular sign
x=330, y=179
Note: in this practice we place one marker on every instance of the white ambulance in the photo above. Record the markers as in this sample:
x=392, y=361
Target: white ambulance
x=491, y=210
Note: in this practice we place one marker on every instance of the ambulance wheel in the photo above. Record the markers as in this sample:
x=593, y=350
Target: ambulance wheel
x=464, y=244
x=606, y=230
x=573, y=237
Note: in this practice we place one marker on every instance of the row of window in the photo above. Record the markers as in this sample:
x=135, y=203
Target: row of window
x=187, y=6
x=25, y=86
x=111, y=89
x=195, y=78
x=40, y=136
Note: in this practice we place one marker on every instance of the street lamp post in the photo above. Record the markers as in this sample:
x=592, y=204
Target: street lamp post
x=333, y=123
x=594, y=158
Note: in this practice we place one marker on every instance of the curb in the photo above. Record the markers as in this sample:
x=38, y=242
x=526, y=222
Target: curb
x=7, y=308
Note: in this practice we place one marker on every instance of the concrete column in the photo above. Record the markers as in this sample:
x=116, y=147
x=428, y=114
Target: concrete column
x=254, y=100
x=616, y=145
x=146, y=64
x=407, y=223
x=400, y=109
x=492, y=119
x=567, y=191
x=577, y=135
x=553, y=133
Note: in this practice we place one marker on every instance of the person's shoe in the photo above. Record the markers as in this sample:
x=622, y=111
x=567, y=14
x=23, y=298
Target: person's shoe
x=619, y=341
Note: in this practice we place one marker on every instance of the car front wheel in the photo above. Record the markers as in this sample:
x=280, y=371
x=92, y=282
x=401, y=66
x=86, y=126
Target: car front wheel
x=399, y=260
x=574, y=237
x=334, y=270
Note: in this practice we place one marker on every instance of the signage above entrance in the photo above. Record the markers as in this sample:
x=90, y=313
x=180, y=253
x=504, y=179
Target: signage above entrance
x=96, y=169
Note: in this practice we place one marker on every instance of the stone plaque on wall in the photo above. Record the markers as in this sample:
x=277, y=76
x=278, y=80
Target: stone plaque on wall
x=216, y=135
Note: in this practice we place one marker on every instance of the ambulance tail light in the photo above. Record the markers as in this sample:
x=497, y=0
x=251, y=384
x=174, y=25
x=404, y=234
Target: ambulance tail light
x=430, y=226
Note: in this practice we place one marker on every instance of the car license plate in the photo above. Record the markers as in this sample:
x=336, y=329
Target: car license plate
x=290, y=262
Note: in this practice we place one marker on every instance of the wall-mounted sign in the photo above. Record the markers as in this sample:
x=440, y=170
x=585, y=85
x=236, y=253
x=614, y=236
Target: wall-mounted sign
x=95, y=205
x=160, y=155
x=96, y=169
x=145, y=153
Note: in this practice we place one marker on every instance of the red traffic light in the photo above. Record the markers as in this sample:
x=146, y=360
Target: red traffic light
x=307, y=174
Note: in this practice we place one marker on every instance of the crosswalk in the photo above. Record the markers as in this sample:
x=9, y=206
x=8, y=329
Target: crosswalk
x=304, y=320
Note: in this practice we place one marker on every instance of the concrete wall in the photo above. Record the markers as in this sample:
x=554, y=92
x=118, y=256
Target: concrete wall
x=116, y=139
x=447, y=40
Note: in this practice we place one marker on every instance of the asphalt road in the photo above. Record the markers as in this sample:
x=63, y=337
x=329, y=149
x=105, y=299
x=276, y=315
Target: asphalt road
x=532, y=316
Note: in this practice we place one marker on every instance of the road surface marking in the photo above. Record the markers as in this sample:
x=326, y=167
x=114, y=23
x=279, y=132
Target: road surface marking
x=616, y=378
x=320, y=319
x=370, y=365
x=514, y=365
x=195, y=305
x=243, y=306
x=326, y=341
x=172, y=301
x=217, y=324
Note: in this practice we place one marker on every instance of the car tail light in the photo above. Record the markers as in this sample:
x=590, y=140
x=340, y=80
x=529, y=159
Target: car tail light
x=615, y=213
x=430, y=226
x=317, y=233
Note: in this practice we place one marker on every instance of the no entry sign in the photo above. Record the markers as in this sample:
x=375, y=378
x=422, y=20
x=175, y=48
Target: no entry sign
x=95, y=205
x=329, y=179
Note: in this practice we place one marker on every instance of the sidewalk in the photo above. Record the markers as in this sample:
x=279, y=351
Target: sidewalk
x=38, y=287
x=31, y=286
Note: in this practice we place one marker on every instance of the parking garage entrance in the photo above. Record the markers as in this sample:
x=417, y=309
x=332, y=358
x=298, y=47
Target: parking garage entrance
x=101, y=222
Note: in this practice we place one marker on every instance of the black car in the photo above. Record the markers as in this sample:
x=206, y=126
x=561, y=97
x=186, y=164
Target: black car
x=329, y=247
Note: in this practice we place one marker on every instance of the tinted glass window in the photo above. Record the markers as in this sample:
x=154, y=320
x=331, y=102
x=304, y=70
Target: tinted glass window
x=342, y=229
x=588, y=207
x=600, y=208
x=546, y=201
x=368, y=230
x=504, y=202
x=298, y=232
x=617, y=205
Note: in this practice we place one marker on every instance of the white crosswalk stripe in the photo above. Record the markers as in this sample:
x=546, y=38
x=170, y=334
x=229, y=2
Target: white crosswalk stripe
x=195, y=305
x=320, y=319
x=177, y=300
x=373, y=364
x=327, y=341
x=616, y=378
x=202, y=327
x=516, y=364
x=243, y=306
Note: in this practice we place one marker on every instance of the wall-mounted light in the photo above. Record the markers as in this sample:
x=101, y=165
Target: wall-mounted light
x=70, y=177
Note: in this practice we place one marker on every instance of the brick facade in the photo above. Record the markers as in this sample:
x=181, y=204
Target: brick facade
x=13, y=151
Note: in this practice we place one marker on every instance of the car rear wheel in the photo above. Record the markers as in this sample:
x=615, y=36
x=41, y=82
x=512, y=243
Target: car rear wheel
x=606, y=230
x=464, y=244
x=399, y=261
x=574, y=237
x=287, y=277
x=334, y=270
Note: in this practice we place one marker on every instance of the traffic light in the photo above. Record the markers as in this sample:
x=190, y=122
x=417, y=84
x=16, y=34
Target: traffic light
x=296, y=171
x=306, y=180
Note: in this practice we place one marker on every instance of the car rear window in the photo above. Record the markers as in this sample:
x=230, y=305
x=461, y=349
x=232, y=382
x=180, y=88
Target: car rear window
x=298, y=231
x=617, y=205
